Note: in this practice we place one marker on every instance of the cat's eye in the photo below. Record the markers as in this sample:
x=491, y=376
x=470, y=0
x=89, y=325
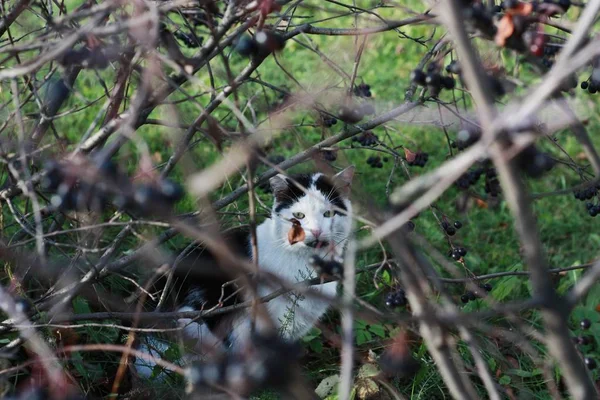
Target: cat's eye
x=328, y=214
x=298, y=215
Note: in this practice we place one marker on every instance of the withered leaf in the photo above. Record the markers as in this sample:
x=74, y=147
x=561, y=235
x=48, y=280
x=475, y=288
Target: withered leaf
x=410, y=156
x=506, y=28
x=296, y=234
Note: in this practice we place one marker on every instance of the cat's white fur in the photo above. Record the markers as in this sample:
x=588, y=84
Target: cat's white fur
x=293, y=314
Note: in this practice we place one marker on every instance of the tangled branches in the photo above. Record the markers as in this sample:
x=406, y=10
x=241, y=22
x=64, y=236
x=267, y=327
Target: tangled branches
x=132, y=129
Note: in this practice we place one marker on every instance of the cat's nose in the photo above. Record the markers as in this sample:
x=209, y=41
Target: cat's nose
x=316, y=233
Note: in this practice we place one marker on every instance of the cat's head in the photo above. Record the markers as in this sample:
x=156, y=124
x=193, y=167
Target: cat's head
x=321, y=206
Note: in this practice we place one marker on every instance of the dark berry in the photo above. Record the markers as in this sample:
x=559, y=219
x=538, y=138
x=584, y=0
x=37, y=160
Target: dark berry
x=451, y=231
x=584, y=85
x=455, y=255
x=268, y=42
x=409, y=226
x=565, y=4
x=433, y=79
x=471, y=295
x=453, y=67
x=590, y=363
x=465, y=298
x=329, y=155
x=461, y=251
x=246, y=46
x=585, y=323
x=448, y=82
x=584, y=340
x=457, y=224
x=362, y=90
x=172, y=191
x=328, y=121
x=487, y=287
x=418, y=77
x=389, y=300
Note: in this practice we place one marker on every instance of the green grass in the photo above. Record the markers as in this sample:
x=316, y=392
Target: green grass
x=567, y=232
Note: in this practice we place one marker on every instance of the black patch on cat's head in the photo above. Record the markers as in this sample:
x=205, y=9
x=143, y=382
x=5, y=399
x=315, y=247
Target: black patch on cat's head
x=291, y=193
x=331, y=193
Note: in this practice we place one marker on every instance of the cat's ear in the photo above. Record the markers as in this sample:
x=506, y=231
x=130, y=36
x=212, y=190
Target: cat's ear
x=278, y=183
x=343, y=179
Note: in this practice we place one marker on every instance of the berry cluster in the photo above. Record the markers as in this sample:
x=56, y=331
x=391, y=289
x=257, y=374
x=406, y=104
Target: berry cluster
x=353, y=112
x=533, y=162
x=362, y=90
x=396, y=298
x=479, y=17
x=492, y=184
x=593, y=209
x=419, y=159
x=432, y=79
x=469, y=178
x=261, y=44
x=457, y=253
x=265, y=364
x=329, y=155
x=189, y=40
x=328, y=121
x=326, y=267
x=592, y=84
x=73, y=193
x=586, y=193
x=451, y=229
x=375, y=162
x=471, y=296
x=466, y=138
x=86, y=57
x=366, y=139
x=586, y=340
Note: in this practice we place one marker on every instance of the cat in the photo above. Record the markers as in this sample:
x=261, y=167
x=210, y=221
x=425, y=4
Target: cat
x=321, y=207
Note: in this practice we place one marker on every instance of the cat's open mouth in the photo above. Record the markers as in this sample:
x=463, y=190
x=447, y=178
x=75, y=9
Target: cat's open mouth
x=317, y=244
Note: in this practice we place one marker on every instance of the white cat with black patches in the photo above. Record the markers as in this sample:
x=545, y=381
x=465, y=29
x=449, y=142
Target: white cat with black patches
x=323, y=209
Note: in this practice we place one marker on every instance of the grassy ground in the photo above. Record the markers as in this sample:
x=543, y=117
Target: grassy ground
x=568, y=233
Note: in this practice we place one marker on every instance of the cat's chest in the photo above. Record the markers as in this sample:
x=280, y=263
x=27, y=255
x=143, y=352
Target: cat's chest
x=297, y=311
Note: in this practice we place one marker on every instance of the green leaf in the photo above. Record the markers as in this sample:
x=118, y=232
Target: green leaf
x=316, y=346
x=311, y=335
x=386, y=277
x=81, y=305
x=504, y=380
x=362, y=336
x=377, y=330
x=526, y=374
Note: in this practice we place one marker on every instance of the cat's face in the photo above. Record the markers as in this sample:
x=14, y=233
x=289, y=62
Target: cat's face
x=323, y=210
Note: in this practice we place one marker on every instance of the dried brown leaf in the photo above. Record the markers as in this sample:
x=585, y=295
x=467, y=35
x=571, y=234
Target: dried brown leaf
x=296, y=234
x=410, y=156
x=506, y=28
